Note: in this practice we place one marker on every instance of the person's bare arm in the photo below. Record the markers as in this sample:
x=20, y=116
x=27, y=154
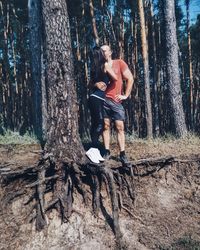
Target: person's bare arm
x=101, y=85
x=127, y=75
x=108, y=69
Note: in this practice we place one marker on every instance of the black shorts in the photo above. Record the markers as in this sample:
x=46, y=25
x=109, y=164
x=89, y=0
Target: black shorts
x=113, y=110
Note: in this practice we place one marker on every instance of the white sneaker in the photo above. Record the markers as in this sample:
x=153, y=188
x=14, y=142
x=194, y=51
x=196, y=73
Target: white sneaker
x=98, y=154
x=92, y=155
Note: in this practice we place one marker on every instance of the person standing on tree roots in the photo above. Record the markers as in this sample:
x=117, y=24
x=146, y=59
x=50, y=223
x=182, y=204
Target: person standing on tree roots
x=101, y=75
x=113, y=109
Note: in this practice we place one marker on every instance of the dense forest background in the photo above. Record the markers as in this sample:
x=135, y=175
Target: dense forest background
x=45, y=64
x=136, y=33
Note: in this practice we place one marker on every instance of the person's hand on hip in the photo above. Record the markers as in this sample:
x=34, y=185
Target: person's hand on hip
x=120, y=97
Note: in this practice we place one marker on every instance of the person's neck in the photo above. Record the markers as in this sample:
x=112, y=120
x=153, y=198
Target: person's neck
x=110, y=61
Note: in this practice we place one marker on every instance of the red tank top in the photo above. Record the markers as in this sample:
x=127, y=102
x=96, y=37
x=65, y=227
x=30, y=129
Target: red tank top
x=115, y=87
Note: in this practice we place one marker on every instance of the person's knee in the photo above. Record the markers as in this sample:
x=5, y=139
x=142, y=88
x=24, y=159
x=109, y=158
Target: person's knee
x=106, y=125
x=120, y=127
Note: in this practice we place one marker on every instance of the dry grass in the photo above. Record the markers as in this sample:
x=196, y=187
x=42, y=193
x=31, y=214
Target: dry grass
x=163, y=146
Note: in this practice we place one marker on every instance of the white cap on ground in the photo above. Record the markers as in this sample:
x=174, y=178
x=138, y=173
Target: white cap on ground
x=91, y=154
x=94, y=155
x=98, y=154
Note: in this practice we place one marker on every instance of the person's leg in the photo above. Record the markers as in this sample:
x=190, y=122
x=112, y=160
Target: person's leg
x=106, y=131
x=119, y=117
x=121, y=141
x=97, y=123
x=106, y=135
x=106, y=138
x=120, y=134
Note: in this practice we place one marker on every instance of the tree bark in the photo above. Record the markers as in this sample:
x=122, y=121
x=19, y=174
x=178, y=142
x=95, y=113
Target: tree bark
x=8, y=122
x=191, y=109
x=146, y=69
x=173, y=80
x=94, y=27
x=62, y=121
x=38, y=86
x=155, y=67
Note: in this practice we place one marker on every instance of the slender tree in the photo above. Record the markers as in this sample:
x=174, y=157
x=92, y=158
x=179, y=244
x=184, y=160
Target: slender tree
x=94, y=26
x=191, y=104
x=155, y=68
x=146, y=68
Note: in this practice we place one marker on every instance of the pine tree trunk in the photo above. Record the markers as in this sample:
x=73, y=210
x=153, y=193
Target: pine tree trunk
x=4, y=8
x=155, y=67
x=121, y=37
x=173, y=80
x=197, y=99
x=39, y=107
x=62, y=121
x=191, y=109
x=146, y=69
x=94, y=27
x=1, y=102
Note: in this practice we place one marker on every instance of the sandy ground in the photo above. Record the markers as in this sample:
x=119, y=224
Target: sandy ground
x=164, y=214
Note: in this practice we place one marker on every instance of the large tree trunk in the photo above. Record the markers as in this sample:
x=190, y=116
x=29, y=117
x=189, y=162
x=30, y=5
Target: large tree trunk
x=8, y=121
x=63, y=147
x=62, y=122
x=38, y=86
x=173, y=69
x=146, y=69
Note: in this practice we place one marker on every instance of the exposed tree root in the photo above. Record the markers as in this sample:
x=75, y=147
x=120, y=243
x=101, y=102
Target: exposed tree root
x=114, y=201
x=41, y=220
x=61, y=179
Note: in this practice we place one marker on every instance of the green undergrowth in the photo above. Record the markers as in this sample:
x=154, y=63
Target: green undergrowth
x=11, y=137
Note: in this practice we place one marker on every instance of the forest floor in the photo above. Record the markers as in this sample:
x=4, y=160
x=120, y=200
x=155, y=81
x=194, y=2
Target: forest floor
x=164, y=215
